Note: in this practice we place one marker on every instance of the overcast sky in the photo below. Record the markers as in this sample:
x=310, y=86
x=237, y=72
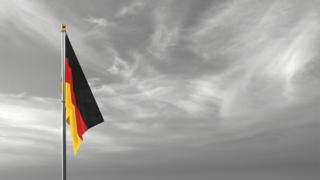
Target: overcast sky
x=189, y=89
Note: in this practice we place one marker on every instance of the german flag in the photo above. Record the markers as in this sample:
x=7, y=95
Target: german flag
x=82, y=111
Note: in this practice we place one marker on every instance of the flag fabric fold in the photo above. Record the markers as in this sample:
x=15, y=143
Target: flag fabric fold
x=82, y=111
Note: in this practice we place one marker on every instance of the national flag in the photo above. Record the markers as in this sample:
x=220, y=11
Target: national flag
x=82, y=111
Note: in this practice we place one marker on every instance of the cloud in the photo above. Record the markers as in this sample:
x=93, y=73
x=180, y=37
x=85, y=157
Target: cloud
x=19, y=13
x=262, y=64
x=99, y=22
x=119, y=66
x=32, y=129
x=29, y=124
x=130, y=9
x=165, y=34
x=182, y=86
x=35, y=20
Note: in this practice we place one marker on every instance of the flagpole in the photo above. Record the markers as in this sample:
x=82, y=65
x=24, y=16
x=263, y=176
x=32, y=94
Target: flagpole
x=63, y=129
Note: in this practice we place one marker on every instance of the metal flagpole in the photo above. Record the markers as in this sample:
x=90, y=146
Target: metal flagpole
x=63, y=60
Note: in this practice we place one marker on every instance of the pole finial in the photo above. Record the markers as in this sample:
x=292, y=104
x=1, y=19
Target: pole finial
x=63, y=27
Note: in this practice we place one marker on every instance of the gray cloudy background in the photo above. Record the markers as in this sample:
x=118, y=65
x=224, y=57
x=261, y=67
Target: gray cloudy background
x=189, y=89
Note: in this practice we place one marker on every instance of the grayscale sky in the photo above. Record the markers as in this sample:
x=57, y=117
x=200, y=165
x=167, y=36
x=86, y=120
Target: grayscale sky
x=189, y=89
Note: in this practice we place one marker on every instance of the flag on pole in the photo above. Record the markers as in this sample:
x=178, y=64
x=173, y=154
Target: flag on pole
x=82, y=111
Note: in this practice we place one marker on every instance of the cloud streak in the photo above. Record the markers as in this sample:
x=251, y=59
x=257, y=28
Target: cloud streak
x=183, y=86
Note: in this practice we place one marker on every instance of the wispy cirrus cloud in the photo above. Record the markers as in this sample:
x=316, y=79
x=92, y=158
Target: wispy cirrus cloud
x=254, y=52
x=130, y=9
x=28, y=124
x=100, y=22
x=208, y=84
x=19, y=13
x=31, y=130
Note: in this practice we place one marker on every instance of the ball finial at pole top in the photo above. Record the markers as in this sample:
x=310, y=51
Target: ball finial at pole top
x=63, y=27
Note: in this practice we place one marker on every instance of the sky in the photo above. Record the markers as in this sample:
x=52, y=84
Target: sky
x=192, y=90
